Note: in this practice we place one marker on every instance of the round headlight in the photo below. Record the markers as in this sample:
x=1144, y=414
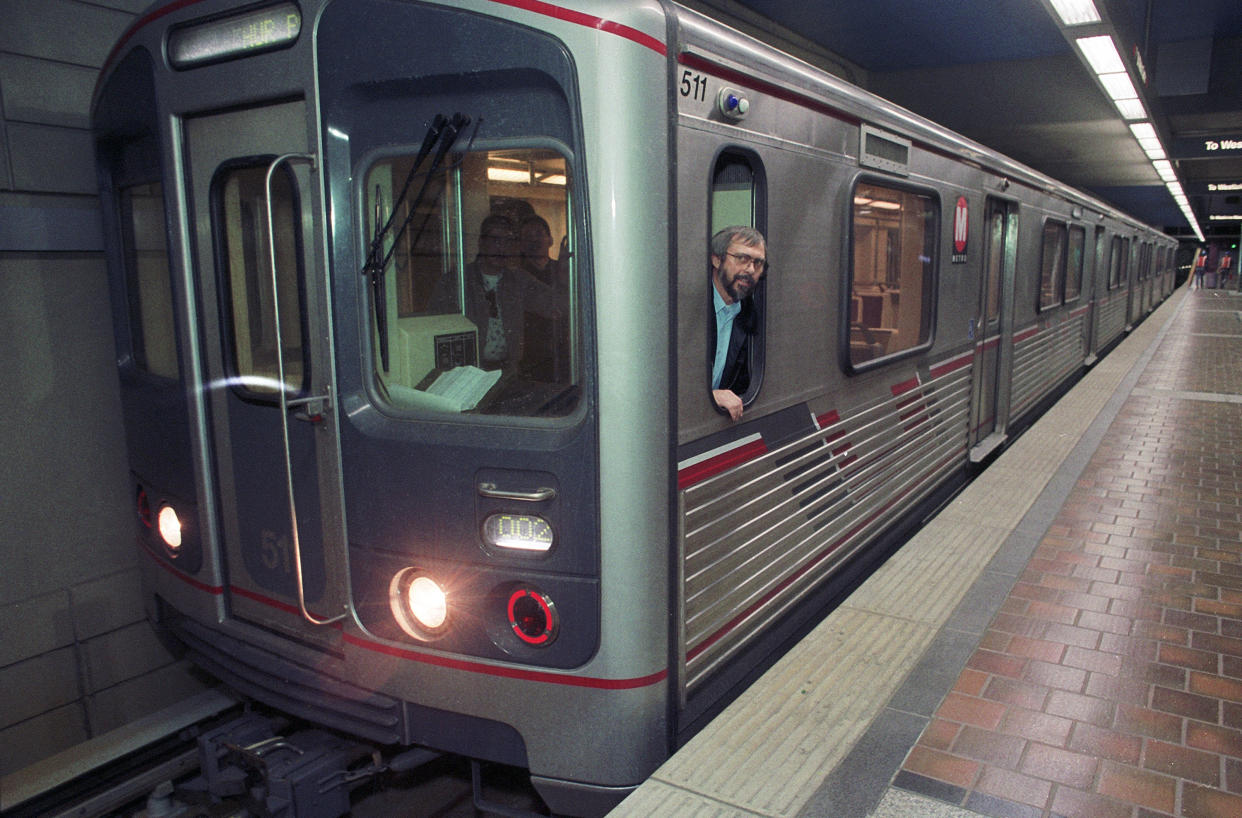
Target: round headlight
x=418, y=603
x=170, y=528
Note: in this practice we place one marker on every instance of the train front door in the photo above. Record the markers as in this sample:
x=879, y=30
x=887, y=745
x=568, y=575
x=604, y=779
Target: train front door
x=994, y=347
x=265, y=348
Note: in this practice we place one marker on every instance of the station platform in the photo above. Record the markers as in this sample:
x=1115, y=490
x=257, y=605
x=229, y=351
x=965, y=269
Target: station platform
x=1063, y=639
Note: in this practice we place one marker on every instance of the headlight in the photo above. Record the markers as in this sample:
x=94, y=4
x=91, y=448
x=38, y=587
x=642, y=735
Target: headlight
x=519, y=532
x=170, y=529
x=419, y=603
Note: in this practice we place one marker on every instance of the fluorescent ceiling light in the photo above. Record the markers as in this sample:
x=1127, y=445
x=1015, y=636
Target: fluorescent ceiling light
x=1143, y=130
x=1075, y=12
x=508, y=175
x=1101, y=54
x=1118, y=86
x=1155, y=152
x=1165, y=169
x=1131, y=108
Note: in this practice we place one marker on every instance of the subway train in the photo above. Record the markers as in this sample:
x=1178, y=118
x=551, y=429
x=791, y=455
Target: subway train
x=415, y=335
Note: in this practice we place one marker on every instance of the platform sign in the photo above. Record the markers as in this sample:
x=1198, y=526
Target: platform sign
x=961, y=230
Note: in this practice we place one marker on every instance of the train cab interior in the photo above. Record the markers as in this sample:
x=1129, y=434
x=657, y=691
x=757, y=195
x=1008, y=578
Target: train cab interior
x=472, y=280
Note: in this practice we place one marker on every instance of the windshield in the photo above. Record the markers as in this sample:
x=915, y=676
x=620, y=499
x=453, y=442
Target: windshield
x=473, y=282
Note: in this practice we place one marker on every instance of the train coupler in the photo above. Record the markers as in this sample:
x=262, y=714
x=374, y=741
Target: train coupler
x=307, y=774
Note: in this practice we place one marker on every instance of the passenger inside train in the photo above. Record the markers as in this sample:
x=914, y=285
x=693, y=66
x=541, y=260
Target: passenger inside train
x=493, y=335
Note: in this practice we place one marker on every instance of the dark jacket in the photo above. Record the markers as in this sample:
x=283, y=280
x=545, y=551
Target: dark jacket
x=736, y=373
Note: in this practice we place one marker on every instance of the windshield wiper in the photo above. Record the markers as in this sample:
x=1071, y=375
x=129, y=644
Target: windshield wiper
x=443, y=132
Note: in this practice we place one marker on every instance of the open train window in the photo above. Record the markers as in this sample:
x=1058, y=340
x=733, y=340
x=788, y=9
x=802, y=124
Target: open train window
x=892, y=276
x=472, y=281
x=244, y=261
x=148, y=286
x=737, y=215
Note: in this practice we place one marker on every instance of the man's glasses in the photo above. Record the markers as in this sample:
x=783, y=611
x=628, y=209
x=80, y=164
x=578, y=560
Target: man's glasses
x=746, y=261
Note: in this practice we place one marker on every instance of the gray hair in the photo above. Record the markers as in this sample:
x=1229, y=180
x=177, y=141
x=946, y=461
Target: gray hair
x=740, y=233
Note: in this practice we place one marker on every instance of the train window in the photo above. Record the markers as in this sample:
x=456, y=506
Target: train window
x=244, y=253
x=1117, y=262
x=1074, y=264
x=1052, y=265
x=737, y=200
x=472, y=282
x=149, y=286
x=891, y=288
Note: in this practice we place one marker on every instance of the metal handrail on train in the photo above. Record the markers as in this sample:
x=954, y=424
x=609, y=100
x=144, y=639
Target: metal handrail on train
x=284, y=399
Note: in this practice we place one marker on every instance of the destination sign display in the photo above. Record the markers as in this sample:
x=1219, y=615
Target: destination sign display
x=235, y=36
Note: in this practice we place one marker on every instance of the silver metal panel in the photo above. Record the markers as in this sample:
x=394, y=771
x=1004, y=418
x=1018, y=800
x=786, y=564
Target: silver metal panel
x=761, y=536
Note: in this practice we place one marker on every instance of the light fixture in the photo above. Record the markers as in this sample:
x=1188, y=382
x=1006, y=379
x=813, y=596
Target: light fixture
x=1131, y=108
x=496, y=174
x=418, y=603
x=1101, y=54
x=1165, y=168
x=1075, y=12
x=170, y=528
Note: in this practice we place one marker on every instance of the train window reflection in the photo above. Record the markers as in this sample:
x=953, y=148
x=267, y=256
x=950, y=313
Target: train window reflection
x=1052, y=265
x=149, y=287
x=891, y=290
x=245, y=262
x=1073, y=268
x=472, y=287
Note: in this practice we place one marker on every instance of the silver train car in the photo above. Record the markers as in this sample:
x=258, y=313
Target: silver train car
x=375, y=494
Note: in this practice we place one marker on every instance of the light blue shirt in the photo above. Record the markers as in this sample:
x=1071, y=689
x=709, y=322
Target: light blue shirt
x=725, y=313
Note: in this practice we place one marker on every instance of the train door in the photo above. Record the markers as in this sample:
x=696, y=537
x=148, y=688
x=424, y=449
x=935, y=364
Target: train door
x=266, y=352
x=1098, y=272
x=994, y=347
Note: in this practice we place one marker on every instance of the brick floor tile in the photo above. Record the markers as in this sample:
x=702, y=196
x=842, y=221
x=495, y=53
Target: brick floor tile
x=1106, y=743
x=1210, y=684
x=1190, y=705
x=1141, y=721
x=1231, y=715
x=988, y=746
x=1201, y=802
x=1233, y=775
x=1072, y=679
x=1182, y=762
x=999, y=664
x=1051, y=612
x=1042, y=727
x=1036, y=648
x=1080, y=708
x=1014, y=786
x=1056, y=764
x=1016, y=693
x=1136, y=786
x=1231, y=666
x=1188, y=658
x=1117, y=688
x=971, y=710
x=1210, y=737
x=953, y=769
x=1072, y=803
x=939, y=734
x=1093, y=660
x=1070, y=635
x=971, y=682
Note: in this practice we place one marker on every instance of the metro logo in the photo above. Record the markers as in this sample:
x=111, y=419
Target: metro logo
x=961, y=228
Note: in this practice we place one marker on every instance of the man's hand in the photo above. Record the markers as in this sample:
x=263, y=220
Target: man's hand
x=728, y=401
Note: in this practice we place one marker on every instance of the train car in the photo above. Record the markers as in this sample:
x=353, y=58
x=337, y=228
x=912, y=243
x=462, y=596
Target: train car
x=415, y=339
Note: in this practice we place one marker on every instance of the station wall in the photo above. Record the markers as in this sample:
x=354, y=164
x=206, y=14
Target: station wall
x=77, y=657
